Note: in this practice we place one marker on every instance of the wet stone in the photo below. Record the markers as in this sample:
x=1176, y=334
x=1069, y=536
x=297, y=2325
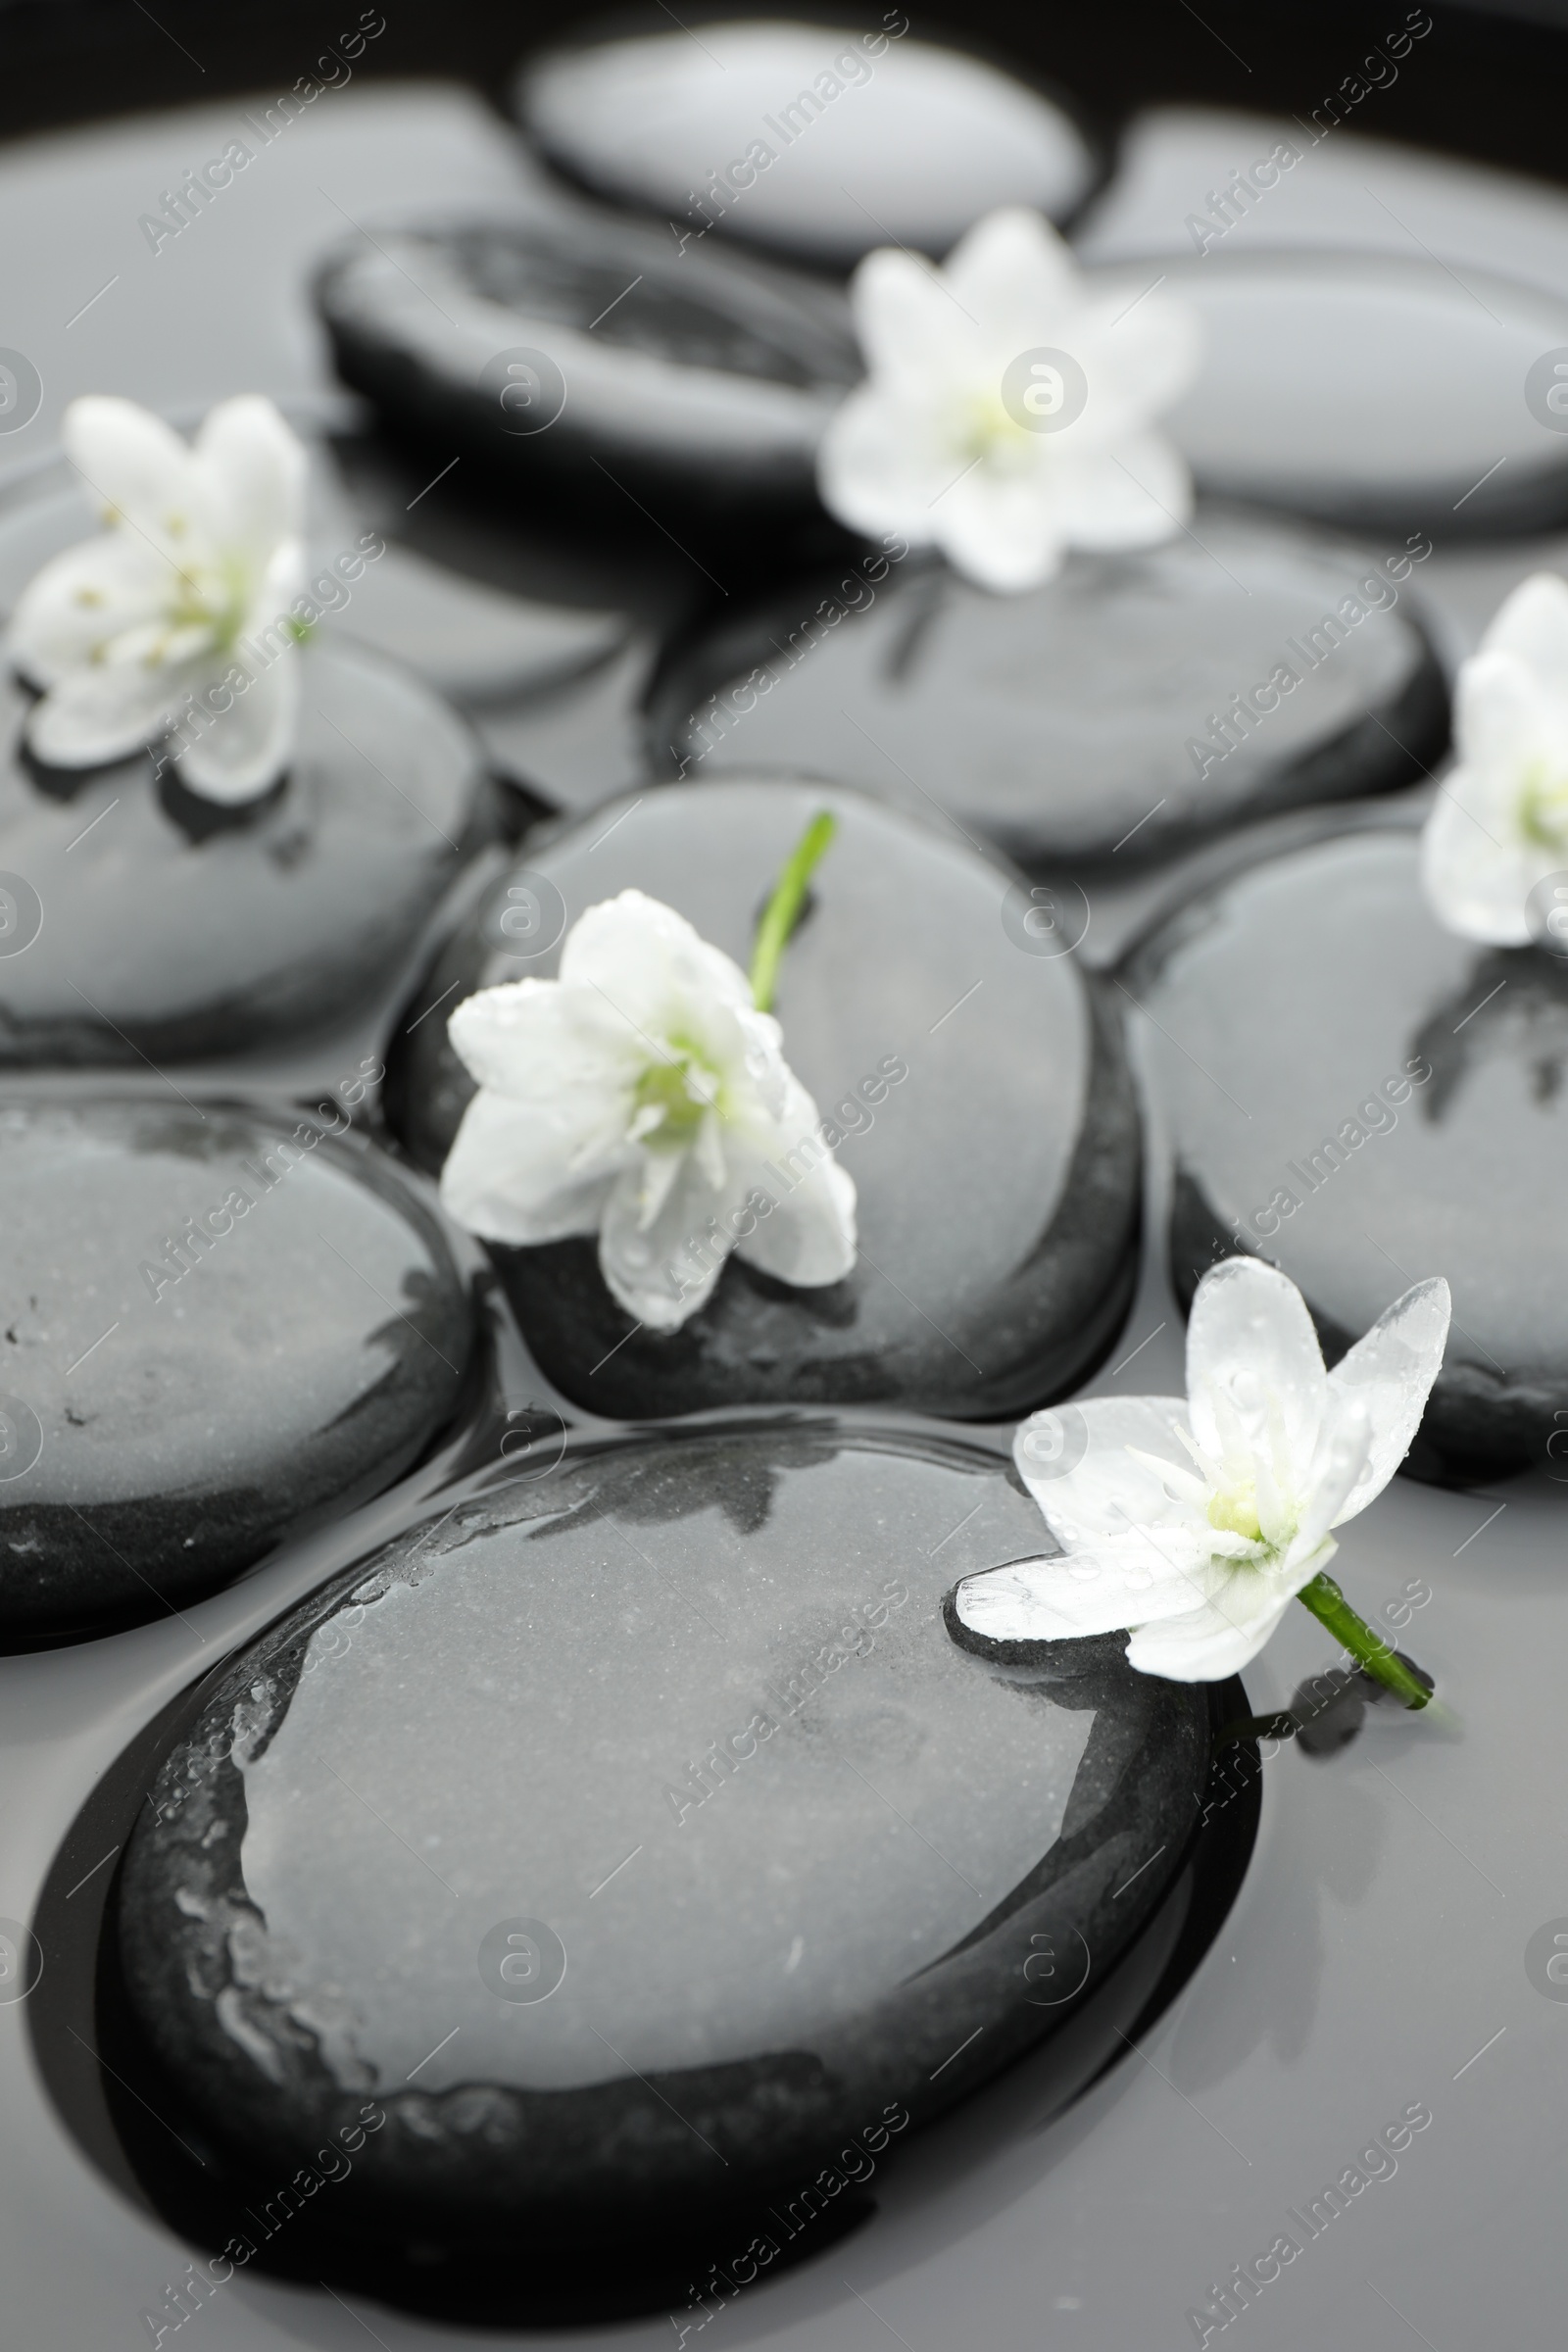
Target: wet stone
x=1365, y=1100
x=1378, y=394
x=701, y=1854
x=218, y=1323
x=1130, y=706
x=167, y=927
x=974, y=1080
x=808, y=141
x=594, y=361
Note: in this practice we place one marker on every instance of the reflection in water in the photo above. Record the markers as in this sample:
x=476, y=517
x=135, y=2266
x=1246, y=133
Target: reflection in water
x=1512, y=1002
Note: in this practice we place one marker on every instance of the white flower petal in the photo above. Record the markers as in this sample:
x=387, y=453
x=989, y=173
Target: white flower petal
x=245, y=750
x=1139, y=361
x=1252, y=1350
x=1500, y=719
x=248, y=475
x=540, y=1041
x=1389, y=1375
x=911, y=331
x=1209, y=1644
x=1533, y=624
x=513, y=1176
x=645, y=961
x=809, y=1237
x=1015, y=277
x=1113, y=1486
x=1102, y=1590
x=1475, y=872
x=1135, y=495
x=134, y=465
x=661, y=1269
x=883, y=463
x=1001, y=528
x=82, y=600
x=90, y=717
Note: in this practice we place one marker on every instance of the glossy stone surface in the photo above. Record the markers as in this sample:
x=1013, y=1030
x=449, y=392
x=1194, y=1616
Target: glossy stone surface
x=908, y=1862
x=595, y=361
x=1070, y=724
x=1298, y=1006
x=840, y=140
x=1380, y=394
x=173, y=927
x=174, y=1406
x=998, y=1178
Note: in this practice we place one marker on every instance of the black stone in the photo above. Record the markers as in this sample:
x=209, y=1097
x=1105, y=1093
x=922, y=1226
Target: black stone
x=913, y=145
x=1376, y=393
x=911, y=1864
x=999, y=1181
x=175, y=1406
x=1288, y=998
x=634, y=376
x=1062, y=723
x=172, y=926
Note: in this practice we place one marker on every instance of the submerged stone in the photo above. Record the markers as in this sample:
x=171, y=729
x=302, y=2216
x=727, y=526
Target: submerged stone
x=1363, y=1098
x=218, y=1324
x=970, y=1078
x=632, y=1851
x=167, y=926
x=807, y=141
x=1128, y=707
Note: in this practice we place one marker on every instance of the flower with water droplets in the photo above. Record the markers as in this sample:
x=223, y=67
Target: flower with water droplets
x=645, y=1097
x=1499, y=825
x=201, y=555
x=1008, y=406
x=1195, y=1525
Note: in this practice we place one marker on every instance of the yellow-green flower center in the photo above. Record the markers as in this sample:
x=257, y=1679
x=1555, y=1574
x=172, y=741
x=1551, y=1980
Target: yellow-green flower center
x=990, y=429
x=1544, y=806
x=1235, y=1510
x=682, y=1091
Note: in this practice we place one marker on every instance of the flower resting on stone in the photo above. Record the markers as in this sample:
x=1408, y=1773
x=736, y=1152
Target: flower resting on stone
x=1195, y=1525
x=644, y=1097
x=181, y=605
x=1499, y=825
x=1007, y=407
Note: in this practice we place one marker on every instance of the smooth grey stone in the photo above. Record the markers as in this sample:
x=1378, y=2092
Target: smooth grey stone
x=167, y=927
x=593, y=362
x=998, y=1179
x=1077, y=723
x=1376, y=393
x=910, y=1864
x=841, y=144
x=1354, y=192
x=1297, y=1005
x=175, y=1404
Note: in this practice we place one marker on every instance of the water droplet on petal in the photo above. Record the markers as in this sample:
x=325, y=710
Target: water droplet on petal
x=1082, y=1571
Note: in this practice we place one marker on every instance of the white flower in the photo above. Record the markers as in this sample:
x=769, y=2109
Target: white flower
x=643, y=1097
x=954, y=438
x=1195, y=1526
x=1499, y=825
x=202, y=549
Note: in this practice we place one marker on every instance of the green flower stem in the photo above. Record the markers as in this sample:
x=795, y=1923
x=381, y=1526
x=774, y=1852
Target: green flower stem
x=1329, y=1608
x=783, y=910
